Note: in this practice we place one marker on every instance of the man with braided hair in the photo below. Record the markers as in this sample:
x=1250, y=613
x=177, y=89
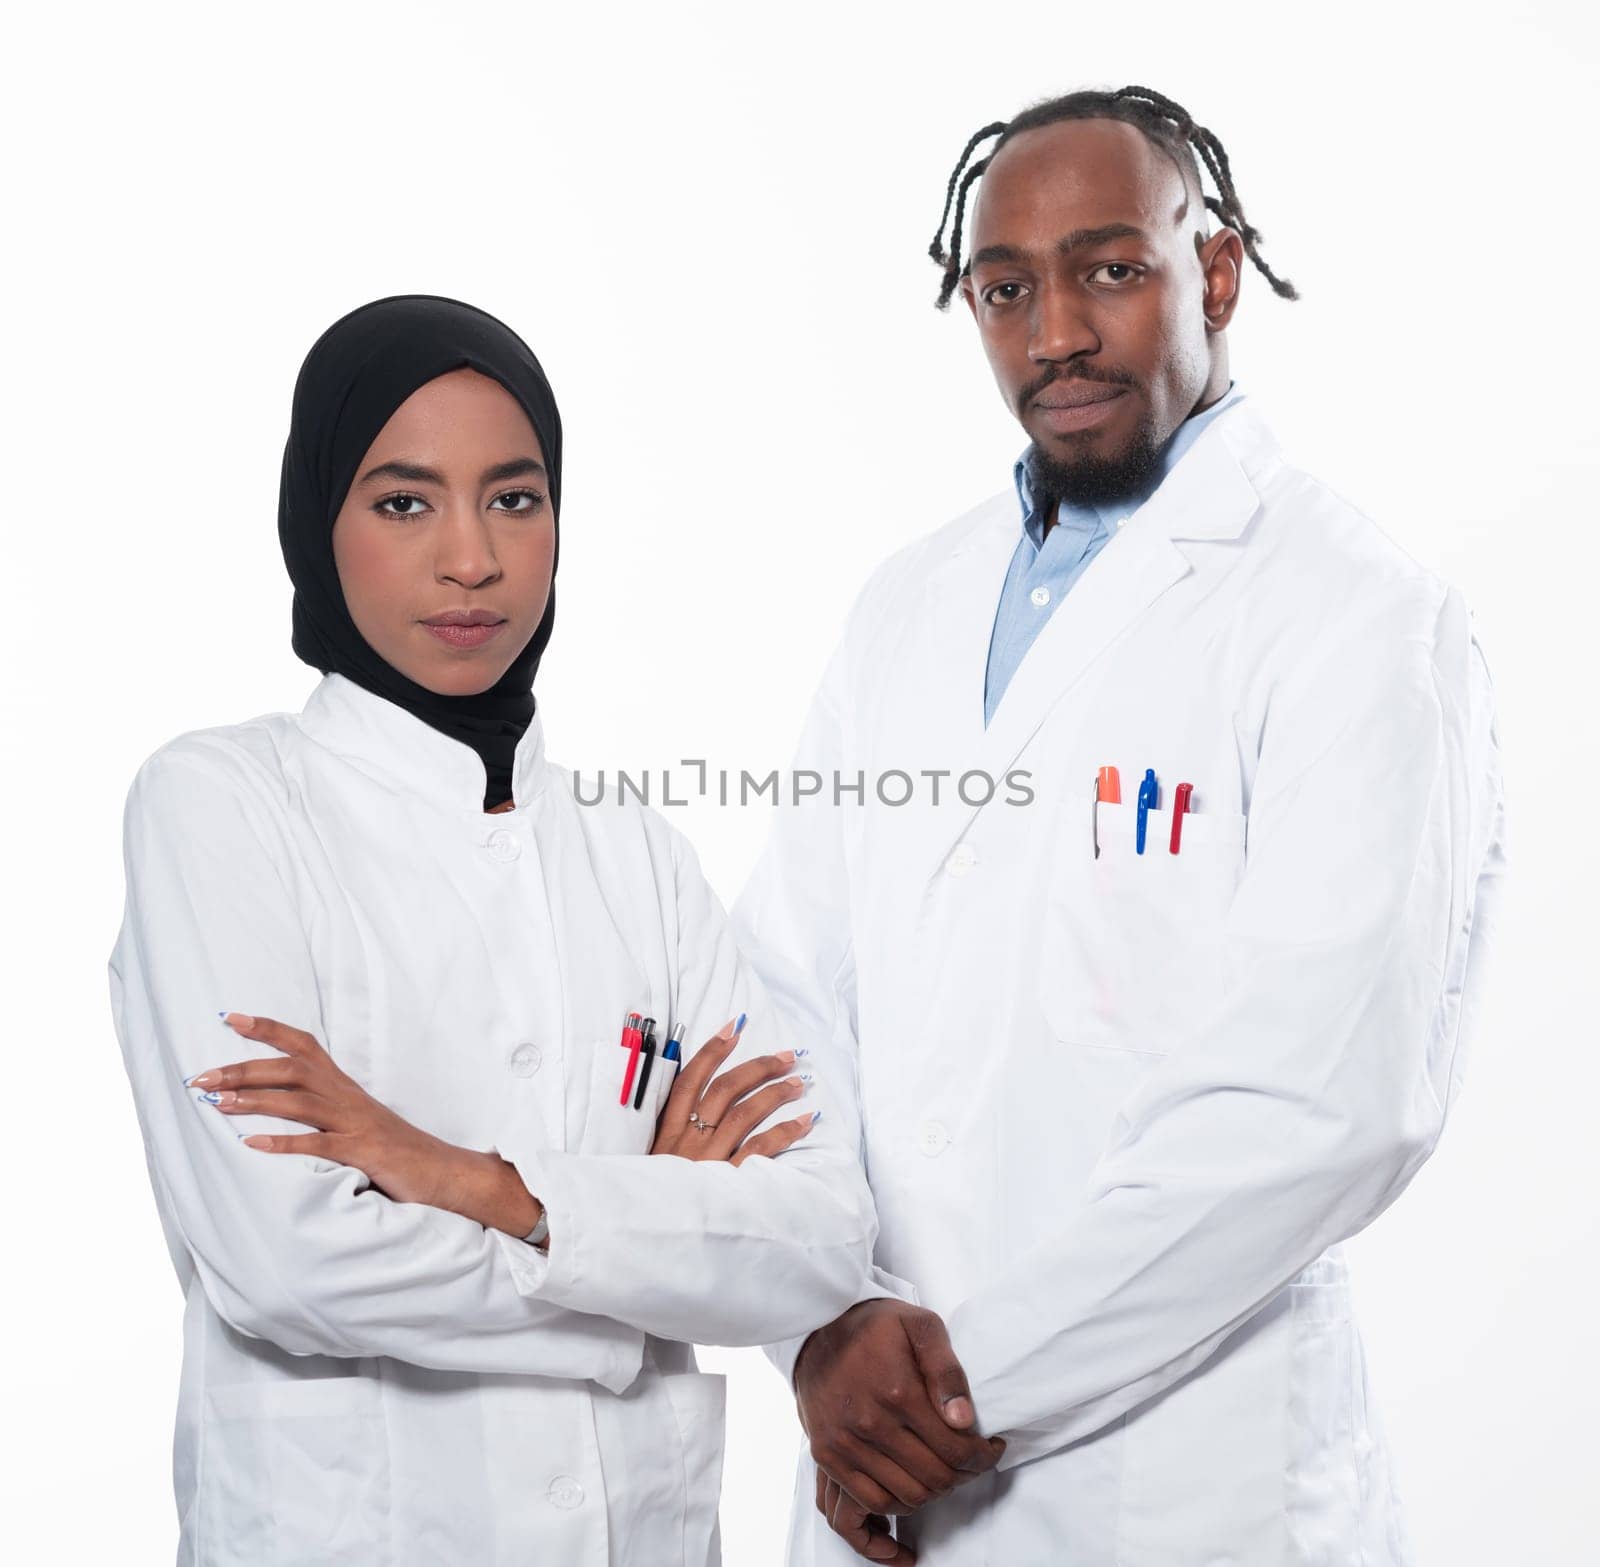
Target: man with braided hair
x=1138, y=1044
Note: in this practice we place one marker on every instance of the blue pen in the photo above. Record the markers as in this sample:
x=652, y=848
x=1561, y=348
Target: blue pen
x=1148, y=794
x=671, y=1052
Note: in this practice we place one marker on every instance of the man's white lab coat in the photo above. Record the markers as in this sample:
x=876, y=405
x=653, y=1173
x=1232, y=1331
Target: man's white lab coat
x=1118, y=1111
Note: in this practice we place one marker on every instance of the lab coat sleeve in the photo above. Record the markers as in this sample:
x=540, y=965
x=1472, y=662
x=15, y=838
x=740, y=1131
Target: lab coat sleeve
x=703, y=1250
x=1297, y=1110
x=793, y=921
x=289, y=1248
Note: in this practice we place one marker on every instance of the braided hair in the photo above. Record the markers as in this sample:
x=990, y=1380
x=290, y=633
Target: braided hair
x=1169, y=125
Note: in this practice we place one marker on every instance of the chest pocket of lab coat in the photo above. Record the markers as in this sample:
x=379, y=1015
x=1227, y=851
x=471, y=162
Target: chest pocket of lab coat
x=1131, y=950
x=612, y=1127
x=616, y=960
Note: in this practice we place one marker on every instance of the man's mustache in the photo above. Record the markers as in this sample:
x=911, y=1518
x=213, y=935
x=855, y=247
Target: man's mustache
x=1109, y=376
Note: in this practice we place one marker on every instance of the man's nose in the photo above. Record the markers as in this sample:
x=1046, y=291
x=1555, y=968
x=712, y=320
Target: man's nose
x=1061, y=328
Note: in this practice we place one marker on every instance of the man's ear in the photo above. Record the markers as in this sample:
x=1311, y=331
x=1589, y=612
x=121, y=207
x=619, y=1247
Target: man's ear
x=968, y=294
x=1222, y=267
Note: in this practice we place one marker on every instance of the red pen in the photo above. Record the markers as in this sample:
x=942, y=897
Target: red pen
x=633, y=1043
x=1180, y=807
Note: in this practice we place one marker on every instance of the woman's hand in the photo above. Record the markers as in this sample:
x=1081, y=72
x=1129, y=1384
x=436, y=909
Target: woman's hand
x=708, y=1117
x=305, y=1084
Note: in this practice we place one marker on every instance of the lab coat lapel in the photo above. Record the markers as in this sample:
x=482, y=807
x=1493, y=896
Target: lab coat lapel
x=926, y=717
x=1136, y=566
x=1207, y=496
x=962, y=598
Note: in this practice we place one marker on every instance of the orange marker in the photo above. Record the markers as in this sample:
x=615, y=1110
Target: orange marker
x=1107, y=787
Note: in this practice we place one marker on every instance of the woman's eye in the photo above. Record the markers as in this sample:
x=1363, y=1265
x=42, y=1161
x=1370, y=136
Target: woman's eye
x=534, y=500
x=410, y=505
x=1127, y=272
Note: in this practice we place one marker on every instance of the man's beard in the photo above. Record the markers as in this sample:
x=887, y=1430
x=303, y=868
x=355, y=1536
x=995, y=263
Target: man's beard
x=1093, y=480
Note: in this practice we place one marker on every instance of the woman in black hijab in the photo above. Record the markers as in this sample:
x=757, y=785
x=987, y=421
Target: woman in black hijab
x=357, y=373
x=439, y=1300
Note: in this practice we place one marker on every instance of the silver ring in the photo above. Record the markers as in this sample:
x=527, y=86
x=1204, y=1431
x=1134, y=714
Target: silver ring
x=705, y=1126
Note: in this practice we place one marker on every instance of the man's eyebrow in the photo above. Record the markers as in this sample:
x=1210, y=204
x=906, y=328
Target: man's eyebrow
x=1078, y=239
x=998, y=253
x=1081, y=239
x=416, y=473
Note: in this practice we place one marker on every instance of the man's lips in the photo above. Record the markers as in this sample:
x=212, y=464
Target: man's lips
x=1066, y=407
x=1076, y=394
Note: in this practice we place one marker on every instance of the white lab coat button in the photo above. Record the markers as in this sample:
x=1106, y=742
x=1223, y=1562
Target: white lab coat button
x=502, y=845
x=933, y=1138
x=1040, y=596
x=526, y=1060
x=962, y=858
x=565, y=1491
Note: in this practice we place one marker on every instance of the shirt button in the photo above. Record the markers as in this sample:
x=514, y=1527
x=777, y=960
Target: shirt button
x=961, y=860
x=526, y=1060
x=565, y=1491
x=502, y=845
x=1040, y=596
x=933, y=1137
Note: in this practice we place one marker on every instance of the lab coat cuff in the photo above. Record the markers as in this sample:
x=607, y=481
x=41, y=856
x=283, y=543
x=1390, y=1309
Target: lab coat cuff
x=624, y=1350
x=547, y=1274
x=880, y=1285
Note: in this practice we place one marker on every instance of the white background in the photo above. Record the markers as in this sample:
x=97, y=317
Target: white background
x=711, y=223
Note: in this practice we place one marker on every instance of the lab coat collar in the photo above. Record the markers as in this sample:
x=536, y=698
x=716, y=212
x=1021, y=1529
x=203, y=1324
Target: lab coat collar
x=1214, y=488
x=394, y=746
x=1112, y=514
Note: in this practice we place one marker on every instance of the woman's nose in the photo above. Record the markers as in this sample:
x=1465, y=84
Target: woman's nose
x=466, y=549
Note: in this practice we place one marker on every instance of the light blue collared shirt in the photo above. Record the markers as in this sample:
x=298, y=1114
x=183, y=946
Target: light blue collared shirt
x=1045, y=565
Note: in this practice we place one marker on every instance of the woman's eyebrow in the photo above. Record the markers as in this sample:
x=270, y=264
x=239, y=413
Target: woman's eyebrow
x=517, y=468
x=416, y=473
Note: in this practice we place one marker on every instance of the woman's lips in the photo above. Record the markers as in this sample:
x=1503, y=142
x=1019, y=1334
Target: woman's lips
x=463, y=636
x=1064, y=417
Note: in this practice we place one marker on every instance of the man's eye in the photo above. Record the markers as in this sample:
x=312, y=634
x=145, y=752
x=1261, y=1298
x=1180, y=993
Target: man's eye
x=1002, y=294
x=409, y=505
x=1127, y=273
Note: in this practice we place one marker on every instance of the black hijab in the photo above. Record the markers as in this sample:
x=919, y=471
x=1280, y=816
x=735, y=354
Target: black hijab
x=357, y=373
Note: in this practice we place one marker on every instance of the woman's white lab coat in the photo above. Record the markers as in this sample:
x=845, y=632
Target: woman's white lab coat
x=386, y=1384
x=1121, y=1109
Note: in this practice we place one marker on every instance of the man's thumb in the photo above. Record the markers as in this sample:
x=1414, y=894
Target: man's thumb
x=942, y=1375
